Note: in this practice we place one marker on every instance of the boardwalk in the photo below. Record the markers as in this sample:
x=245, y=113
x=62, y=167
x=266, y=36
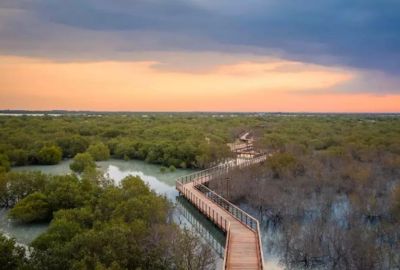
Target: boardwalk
x=243, y=248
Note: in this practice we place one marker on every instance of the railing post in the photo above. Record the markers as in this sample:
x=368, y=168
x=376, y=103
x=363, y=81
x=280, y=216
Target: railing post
x=198, y=178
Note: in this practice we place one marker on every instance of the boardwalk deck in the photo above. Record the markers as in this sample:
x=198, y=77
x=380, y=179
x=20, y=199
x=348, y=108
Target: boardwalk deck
x=243, y=246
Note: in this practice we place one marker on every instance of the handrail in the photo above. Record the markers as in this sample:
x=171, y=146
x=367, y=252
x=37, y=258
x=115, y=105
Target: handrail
x=201, y=177
x=235, y=211
x=260, y=246
x=219, y=220
x=218, y=169
x=228, y=236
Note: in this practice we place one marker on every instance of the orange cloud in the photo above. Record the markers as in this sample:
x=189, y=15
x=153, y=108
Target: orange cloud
x=27, y=83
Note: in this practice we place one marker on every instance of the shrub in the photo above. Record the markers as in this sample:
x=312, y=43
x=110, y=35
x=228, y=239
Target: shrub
x=32, y=208
x=82, y=162
x=4, y=163
x=12, y=256
x=49, y=155
x=99, y=151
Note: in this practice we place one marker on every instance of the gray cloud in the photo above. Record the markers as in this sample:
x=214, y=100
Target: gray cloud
x=358, y=33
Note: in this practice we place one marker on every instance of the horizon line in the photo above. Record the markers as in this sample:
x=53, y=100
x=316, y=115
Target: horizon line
x=21, y=111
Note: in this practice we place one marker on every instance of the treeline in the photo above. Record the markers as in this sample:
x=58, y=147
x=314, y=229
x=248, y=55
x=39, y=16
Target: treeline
x=330, y=190
x=96, y=225
x=180, y=141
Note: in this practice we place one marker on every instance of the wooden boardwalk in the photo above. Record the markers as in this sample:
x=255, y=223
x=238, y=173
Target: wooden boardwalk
x=243, y=248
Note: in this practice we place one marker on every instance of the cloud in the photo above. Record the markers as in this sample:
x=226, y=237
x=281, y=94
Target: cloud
x=114, y=85
x=358, y=33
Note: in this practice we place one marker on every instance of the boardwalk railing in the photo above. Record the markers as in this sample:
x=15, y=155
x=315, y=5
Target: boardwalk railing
x=235, y=211
x=215, y=241
x=204, y=208
x=222, y=169
x=204, y=174
x=244, y=218
x=200, y=178
x=227, y=242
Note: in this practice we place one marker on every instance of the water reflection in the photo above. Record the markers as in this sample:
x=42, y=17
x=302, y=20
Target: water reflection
x=163, y=183
x=189, y=216
x=23, y=233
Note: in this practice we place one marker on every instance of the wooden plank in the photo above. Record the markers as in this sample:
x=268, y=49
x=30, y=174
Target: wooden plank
x=244, y=249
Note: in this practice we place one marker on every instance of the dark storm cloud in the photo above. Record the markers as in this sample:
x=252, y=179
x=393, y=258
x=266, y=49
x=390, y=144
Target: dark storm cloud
x=358, y=33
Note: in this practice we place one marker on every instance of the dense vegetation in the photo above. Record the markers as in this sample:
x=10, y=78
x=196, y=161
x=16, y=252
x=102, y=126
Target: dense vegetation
x=12, y=256
x=96, y=225
x=180, y=141
x=330, y=190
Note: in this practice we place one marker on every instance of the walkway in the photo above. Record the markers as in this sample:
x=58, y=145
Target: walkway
x=243, y=248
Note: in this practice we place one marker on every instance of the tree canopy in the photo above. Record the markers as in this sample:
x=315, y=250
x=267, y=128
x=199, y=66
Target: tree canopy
x=99, y=151
x=178, y=140
x=49, y=155
x=98, y=225
x=82, y=162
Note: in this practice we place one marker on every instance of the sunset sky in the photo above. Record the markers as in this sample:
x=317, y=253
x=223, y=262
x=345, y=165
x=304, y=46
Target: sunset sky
x=200, y=55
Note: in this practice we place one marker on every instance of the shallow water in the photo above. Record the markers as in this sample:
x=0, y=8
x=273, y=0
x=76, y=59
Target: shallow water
x=24, y=234
x=162, y=183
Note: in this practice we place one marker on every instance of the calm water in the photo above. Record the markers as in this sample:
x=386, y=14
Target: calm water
x=163, y=183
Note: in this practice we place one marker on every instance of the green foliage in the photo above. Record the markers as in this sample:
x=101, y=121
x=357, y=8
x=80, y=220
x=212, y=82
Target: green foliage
x=64, y=192
x=99, y=151
x=32, y=208
x=14, y=186
x=12, y=257
x=82, y=162
x=36, y=196
x=4, y=163
x=19, y=157
x=178, y=140
x=49, y=155
x=123, y=227
x=274, y=142
x=95, y=225
x=72, y=145
x=100, y=226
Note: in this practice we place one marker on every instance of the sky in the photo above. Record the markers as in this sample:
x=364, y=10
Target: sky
x=200, y=55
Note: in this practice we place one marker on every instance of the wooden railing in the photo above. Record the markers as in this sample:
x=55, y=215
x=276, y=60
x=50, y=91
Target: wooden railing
x=200, y=178
x=207, y=210
x=216, y=239
x=244, y=218
x=221, y=169
x=227, y=242
x=235, y=211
